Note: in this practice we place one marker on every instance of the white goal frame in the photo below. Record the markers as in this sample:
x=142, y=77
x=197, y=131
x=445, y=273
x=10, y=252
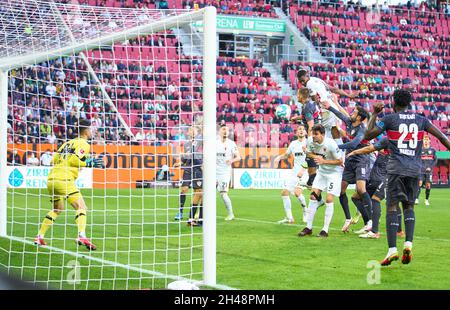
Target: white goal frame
x=208, y=15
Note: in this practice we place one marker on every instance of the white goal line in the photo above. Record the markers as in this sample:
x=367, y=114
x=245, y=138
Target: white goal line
x=115, y=264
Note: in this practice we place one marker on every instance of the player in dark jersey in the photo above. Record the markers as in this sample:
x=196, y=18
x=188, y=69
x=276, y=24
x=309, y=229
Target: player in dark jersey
x=357, y=167
x=376, y=186
x=405, y=131
x=310, y=116
x=429, y=160
x=192, y=175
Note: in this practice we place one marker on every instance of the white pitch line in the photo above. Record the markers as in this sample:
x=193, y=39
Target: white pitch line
x=331, y=228
x=115, y=264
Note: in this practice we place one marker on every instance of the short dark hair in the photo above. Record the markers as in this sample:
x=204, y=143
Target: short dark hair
x=362, y=113
x=84, y=125
x=319, y=128
x=302, y=72
x=402, y=97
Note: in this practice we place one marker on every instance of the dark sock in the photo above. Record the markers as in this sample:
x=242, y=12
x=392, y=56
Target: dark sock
x=427, y=193
x=359, y=205
x=399, y=219
x=182, y=201
x=418, y=192
x=311, y=179
x=193, y=211
x=200, y=217
x=367, y=203
x=343, y=199
x=410, y=220
x=376, y=214
x=391, y=228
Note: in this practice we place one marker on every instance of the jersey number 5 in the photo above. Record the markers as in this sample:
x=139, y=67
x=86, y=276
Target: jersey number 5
x=411, y=132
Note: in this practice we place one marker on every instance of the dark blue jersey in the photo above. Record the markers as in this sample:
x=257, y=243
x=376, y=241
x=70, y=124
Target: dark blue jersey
x=405, y=131
x=355, y=134
x=310, y=111
x=429, y=159
x=379, y=169
x=193, y=152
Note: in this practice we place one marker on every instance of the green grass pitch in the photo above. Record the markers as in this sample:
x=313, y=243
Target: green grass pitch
x=253, y=252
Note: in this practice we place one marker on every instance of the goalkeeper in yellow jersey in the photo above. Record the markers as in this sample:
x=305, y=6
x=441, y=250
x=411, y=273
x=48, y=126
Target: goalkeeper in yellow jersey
x=69, y=159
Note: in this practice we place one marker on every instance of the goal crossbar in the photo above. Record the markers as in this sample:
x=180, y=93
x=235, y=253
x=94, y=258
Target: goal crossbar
x=8, y=63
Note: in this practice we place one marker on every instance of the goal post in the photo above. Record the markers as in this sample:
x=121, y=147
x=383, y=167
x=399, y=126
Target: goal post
x=209, y=110
x=3, y=151
x=152, y=249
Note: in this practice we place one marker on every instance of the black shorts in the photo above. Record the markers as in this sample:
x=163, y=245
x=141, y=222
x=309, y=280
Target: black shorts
x=377, y=188
x=426, y=177
x=356, y=171
x=192, y=176
x=311, y=163
x=401, y=188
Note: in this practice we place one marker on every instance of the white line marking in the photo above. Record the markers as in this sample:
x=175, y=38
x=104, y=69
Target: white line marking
x=115, y=264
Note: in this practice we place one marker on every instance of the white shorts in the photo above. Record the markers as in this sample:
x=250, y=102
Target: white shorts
x=330, y=183
x=223, y=183
x=328, y=124
x=294, y=181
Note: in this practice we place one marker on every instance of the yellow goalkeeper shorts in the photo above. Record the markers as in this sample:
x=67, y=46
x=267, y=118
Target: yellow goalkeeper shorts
x=59, y=189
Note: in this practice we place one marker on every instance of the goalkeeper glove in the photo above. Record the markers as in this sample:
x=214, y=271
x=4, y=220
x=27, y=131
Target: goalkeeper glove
x=94, y=162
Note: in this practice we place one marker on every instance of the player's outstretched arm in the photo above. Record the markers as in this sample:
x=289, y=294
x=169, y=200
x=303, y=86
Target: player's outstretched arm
x=340, y=92
x=339, y=114
x=354, y=143
x=374, y=131
x=439, y=135
x=365, y=150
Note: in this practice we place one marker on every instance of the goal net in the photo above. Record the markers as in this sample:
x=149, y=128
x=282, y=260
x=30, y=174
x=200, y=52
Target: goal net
x=142, y=78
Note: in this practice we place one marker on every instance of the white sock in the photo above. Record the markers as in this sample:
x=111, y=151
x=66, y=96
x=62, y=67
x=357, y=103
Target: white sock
x=82, y=235
x=312, y=208
x=287, y=207
x=328, y=216
x=391, y=251
x=227, y=202
x=407, y=244
x=369, y=224
x=302, y=200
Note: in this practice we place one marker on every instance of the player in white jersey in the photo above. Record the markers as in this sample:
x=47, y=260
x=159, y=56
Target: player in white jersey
x=297, y=149
x=321, y=91
x=227, y=153
x=329, y=157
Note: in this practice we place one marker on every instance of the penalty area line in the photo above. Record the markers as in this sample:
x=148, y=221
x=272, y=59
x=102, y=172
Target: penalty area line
x=115, y=264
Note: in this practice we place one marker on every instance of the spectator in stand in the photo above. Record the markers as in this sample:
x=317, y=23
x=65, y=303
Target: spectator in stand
x=220, y=81
x=140, y=136
x=163, y=5
x=222, y=117
x=32, y=160
x=14, y=158
x=46, y=158
x=232, y=118
x=442, y=117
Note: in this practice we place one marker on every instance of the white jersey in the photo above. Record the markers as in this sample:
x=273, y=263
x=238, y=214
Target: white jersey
x=329, y=150
x=298, y=150
x=225, y=152
x=320, y=88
